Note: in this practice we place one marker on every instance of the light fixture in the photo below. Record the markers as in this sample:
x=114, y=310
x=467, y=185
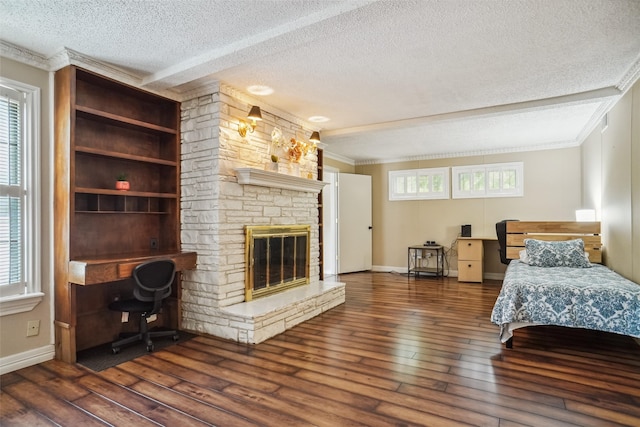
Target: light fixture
x=318, y=119
x=260, y=90
x=315, y=137
x=585, y=215
x=254, y=115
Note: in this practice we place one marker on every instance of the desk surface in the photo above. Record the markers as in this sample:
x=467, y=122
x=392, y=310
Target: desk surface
x=91, y=271
x=479, y=238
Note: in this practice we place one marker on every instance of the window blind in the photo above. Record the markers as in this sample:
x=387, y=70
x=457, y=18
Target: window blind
x=12, y=192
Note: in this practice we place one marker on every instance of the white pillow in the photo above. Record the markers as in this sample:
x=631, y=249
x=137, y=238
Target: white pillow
x=524, y=258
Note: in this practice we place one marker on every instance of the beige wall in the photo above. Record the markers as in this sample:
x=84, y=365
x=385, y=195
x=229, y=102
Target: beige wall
x=13, y=328
x=341, y=166
x=552, y=191
x=611, y=183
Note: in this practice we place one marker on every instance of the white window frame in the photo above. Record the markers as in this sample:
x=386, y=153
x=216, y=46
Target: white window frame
x=406, y=193
x=25, y=298
x=458, y=172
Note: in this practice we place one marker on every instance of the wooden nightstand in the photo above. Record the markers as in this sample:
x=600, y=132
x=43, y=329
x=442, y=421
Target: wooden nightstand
x=470, y=259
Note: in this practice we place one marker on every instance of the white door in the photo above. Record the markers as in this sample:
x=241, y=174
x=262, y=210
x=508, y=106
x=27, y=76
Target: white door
x=330, y=221
x=354, y=223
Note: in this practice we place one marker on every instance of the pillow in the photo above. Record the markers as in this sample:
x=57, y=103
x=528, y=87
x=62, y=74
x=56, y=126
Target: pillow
x=524, y=258
x=569, y=253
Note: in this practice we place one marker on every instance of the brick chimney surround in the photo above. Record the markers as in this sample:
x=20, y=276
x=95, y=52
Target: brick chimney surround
x=216, y=206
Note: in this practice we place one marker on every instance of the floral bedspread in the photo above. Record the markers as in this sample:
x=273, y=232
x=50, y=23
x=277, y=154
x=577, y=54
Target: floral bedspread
x=591, y=298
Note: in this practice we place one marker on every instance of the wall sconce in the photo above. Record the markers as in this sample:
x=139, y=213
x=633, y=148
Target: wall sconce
x=315, y=137
x=254, y=115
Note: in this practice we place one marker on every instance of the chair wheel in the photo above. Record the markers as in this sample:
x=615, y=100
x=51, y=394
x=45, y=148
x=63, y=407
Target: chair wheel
x=176, y=337
x=115, y=350
x=150, y=348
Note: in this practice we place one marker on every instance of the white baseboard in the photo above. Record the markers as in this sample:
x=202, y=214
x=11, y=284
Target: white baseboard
x=28, y=358
x=388, y=269
x=452, y=273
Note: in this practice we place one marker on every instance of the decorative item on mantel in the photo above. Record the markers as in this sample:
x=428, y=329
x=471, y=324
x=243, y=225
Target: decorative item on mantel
x=274, y=150
x=122, y=184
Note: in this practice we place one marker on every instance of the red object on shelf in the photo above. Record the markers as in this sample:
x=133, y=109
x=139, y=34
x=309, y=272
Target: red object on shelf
x=122, y=185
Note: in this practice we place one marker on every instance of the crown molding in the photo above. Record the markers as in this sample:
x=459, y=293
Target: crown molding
x=338, y=157
x=449, y=155
x=631, y=76
x=23, y=55
x=68, y=56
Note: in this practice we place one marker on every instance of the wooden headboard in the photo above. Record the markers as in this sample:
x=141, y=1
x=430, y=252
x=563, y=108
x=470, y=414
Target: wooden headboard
x=589, y=232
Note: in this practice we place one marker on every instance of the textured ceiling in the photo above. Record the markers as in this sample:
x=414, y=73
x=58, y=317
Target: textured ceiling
x=399, y=79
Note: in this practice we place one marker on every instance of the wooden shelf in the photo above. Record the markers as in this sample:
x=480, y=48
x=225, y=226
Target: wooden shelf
x=119, y=155
x=122, y=120
x=128, y=193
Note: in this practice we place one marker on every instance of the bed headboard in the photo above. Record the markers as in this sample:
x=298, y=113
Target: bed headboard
x=589, y=232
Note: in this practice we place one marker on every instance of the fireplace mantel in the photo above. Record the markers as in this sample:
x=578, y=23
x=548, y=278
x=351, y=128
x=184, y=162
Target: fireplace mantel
x=262, y=178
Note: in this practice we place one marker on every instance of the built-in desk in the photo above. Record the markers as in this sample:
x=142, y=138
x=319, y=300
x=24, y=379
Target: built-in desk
x=82, y=318
x=92, y=271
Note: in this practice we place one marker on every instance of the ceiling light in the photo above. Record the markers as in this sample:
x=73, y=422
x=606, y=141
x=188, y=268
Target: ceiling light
x=318, y=119
x=255, y=115
x=260, y=90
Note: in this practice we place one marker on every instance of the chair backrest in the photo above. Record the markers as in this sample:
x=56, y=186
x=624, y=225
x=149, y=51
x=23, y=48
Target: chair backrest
x=501, y=232
x=153, y=280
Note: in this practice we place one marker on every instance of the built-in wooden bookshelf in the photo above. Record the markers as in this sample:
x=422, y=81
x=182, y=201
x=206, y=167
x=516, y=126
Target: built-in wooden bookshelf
x=103, y=129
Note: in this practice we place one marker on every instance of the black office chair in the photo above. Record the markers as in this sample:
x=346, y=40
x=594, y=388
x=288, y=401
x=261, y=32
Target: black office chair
x=501, y=232
x=153, y=281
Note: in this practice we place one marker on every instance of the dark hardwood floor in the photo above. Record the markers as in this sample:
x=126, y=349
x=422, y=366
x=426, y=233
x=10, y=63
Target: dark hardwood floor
x=401, y=351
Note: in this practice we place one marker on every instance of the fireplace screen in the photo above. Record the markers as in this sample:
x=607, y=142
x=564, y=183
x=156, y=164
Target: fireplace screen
x=277, y=258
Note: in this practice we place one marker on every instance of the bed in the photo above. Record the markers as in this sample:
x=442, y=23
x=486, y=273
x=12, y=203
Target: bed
x=554, y=278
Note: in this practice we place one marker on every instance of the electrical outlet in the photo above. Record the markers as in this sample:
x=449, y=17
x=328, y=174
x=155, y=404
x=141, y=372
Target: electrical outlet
x=153, y=243
x=33, y=328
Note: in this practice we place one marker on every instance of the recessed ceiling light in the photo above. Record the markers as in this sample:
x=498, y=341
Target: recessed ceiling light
x=261, y=90
x=318, y=119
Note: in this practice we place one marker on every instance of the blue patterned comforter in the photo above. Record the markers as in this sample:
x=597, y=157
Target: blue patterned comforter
x=591, y=298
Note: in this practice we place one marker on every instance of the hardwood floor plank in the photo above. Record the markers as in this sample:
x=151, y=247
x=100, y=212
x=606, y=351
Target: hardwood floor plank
x=49, y=406
x=354, y=399
x=112, y=413
x=183, y=373
x=338, y=408
x=399, y=352
x=261, y=414
x=215, y=371
x=14, y=413
x=146, y=406
x=199, y=410
x=312, y=415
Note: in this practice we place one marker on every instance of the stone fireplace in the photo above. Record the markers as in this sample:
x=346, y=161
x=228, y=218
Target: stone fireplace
x=224, y=189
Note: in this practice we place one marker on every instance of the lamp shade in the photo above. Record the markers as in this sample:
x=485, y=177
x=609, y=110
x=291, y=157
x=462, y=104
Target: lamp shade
x=255, y=113
x=315, y=137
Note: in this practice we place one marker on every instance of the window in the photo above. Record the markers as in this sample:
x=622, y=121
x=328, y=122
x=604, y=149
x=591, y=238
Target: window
x=495, y=180
x=19, y=197
x=419, y=184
